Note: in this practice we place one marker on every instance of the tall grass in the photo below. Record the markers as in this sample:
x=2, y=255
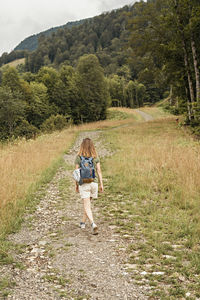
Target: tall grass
x=159, y=157
x=164, y=157
x=22, y=164
x=154, y=183
x=128, y=112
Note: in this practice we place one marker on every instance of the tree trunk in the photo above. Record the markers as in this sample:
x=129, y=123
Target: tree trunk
x=186, y=59
x=188, y=104
x=191, y=89
x=136, y=97
x=196, y=68
x=171, y=95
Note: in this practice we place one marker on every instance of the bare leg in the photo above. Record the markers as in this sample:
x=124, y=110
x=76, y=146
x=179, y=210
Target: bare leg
x=87, y=209
x=84, y=216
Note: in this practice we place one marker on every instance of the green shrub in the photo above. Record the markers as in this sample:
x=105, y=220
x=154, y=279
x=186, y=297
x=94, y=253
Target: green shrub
x=26, y=129
x=55, y=122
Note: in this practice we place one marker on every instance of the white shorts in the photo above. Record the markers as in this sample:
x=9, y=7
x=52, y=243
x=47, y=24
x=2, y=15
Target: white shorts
x=89, y=190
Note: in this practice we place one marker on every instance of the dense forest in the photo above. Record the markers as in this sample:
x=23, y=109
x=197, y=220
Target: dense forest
x=165, y=35
x=51, y=99
x=135, y=55
x=31, y=43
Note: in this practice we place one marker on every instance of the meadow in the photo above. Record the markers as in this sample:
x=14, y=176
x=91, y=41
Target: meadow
x=152, y=192
x=16, y=62
x=153, y=200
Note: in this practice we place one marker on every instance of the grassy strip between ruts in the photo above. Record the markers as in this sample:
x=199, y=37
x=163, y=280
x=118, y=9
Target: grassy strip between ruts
x=122, y=113
x=152, y=197
x=156, y=112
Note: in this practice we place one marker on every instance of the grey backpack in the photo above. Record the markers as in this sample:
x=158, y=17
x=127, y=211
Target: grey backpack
x=87, y=170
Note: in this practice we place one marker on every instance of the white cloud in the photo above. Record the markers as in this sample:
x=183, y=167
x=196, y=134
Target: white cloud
x=112, y=4
x=22, y=18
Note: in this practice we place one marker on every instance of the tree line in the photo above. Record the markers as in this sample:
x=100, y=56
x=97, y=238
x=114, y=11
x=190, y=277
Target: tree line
x=50, y=99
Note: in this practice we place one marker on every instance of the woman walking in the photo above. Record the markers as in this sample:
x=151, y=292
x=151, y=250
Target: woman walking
x=88, y=189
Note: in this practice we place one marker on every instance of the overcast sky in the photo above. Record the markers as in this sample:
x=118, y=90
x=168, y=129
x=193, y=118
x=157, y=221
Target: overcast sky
x=22, y=18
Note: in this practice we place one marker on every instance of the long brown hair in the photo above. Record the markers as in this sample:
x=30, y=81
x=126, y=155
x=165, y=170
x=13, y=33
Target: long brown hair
x=87, y=149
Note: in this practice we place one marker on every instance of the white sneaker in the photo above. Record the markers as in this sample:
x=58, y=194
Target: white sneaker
x=82, y=225
x=94, y=228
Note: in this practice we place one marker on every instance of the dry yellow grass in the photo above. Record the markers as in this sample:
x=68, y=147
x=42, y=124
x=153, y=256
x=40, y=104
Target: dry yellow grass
x=129, y=111
x=16, y=62
x=22, y=163
x=159, y=153
x=152, y=196
x=101, y=125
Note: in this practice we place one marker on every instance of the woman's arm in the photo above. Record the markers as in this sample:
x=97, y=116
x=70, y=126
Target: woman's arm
x=77, y=187
x=100, y=176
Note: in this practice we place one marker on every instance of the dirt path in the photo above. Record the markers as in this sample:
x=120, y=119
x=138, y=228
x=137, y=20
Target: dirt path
x=58, y=260
x=146, y=116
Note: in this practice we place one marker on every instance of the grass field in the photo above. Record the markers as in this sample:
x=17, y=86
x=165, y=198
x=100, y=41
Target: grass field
x=22, y=165
x=152, y=192
x=152, y=197
x=16, y=62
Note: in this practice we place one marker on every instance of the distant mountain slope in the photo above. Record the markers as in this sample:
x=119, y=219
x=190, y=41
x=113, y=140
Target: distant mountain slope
x=105, y=35
x=31, y=42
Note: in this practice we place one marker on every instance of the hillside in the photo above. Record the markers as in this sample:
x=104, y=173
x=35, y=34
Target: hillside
x=31, y=42
x=105, y=35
